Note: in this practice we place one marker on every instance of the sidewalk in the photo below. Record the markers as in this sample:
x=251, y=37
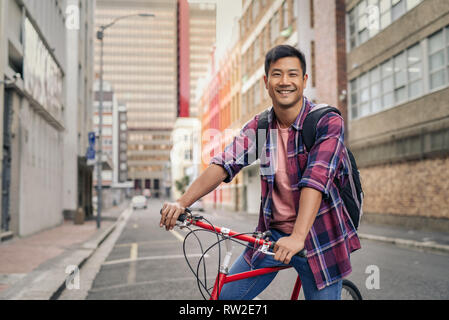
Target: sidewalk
x=432, y=240
x=34, y=267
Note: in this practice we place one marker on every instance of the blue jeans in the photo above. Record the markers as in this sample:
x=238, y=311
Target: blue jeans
x=247, y=289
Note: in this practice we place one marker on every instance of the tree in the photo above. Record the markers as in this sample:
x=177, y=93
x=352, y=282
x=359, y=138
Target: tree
x=181, y=184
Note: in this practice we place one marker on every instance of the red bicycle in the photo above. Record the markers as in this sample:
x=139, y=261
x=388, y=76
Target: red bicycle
x=223, y=234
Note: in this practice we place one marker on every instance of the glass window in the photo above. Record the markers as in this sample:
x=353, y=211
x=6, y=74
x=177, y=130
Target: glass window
x=364, y=80
x=354, y=100
x=354, y=114
x=385, y=20
x=351, y=18
x=385, y=5
x=255, y=10
x=361, y=7
x=285, y=22
x=387, y=83
x=256, y=49
x=375, y=97
x=373, y=18
x=375, y=74
x=415, y=89
x=412, y=3
x=387, y=68
x=364, y=95
x=256, y=93
x=375, y=90
x=436, y=60
x=295, y=8
x=363, y=22
x=436, y=42
x=400, y=76
x=437, y=79
x=272, y=31
x=414, y=70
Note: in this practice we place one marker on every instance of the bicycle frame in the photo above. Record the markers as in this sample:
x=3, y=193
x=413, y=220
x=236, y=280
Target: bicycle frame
x=223, y=277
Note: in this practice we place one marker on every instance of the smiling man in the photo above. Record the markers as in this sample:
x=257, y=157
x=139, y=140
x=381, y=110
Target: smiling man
x=300, y=203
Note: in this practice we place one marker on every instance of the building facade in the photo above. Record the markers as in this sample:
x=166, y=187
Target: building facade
x=114, y=135
x=108, y=129
x=140, y=61
x=78, y=112
x=202, y=29
x=262, y=25
x=317, y=29
x=39, y=171
x=398, y=73
x=121, y=151
x=185, y=155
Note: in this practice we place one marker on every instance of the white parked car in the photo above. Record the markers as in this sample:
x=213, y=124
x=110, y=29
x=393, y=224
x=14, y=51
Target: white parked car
x=139, y=202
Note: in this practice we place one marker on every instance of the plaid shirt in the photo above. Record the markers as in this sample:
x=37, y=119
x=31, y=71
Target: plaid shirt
x=332, y=237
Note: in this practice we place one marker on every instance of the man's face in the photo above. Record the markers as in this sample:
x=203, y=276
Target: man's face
x=285, y=82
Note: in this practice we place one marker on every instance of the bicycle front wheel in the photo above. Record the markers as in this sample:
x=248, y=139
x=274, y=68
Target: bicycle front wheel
x=349, y=291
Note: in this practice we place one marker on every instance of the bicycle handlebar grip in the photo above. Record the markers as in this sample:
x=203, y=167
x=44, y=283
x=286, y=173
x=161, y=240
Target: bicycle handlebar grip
x=302, y=253
x=182, y=216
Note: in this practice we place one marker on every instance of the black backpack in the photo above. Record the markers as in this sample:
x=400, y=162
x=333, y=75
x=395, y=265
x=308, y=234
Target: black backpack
x=351, y=193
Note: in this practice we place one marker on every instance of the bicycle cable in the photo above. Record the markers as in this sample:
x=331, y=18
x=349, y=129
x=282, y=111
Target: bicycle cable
x=188, y=263
x=218, y=242
x=203, y=254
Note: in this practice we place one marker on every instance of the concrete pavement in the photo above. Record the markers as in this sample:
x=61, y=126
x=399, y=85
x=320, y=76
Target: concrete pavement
x=34, y=267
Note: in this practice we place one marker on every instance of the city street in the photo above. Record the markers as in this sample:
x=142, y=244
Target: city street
x=146, y=262
x=111, y=105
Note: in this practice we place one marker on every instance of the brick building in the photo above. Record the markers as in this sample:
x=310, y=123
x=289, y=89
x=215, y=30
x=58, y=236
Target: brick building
x=398, y=74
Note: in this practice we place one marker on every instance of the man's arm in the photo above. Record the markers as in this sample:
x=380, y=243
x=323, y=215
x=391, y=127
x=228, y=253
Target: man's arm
x=309, y=204
x=205, y=183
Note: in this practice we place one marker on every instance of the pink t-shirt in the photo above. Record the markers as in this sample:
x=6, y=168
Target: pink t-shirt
x=284, y=213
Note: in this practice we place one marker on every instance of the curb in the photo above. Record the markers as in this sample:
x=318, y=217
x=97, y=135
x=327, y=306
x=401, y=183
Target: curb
x=48, y=281
x=406, y=242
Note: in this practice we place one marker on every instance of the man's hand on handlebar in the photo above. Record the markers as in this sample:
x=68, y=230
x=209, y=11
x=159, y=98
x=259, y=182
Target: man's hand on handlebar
x=286, y=247
x=169, y=214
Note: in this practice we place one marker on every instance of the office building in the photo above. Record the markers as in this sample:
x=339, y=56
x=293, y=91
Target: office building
x=141, y=63
x=398, y=73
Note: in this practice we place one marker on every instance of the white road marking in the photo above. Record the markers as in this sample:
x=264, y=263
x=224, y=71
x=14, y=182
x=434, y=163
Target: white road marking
x=175, y=256
x=177, y=235
x=121, y=245
x=118, y=286
x=133, y=266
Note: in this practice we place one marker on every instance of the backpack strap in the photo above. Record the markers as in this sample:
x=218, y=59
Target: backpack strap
x=262, y=123
x=311, y=121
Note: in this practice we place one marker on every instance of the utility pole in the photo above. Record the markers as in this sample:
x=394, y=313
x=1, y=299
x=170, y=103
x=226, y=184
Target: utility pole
x=100, y=36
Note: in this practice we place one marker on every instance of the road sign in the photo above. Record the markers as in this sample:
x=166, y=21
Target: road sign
x=91, y=138
x=90, y=154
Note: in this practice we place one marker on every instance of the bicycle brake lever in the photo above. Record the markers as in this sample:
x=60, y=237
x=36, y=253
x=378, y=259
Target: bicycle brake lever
x=264, y=249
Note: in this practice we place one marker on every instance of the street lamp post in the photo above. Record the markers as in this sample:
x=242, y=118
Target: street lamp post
x=100, y=36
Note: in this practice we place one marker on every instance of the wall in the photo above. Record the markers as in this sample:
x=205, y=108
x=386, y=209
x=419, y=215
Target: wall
x=402, y=152
x=40, y=174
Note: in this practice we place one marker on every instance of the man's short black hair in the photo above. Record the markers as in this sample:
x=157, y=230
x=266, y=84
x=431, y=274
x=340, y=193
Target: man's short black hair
x=283, y=51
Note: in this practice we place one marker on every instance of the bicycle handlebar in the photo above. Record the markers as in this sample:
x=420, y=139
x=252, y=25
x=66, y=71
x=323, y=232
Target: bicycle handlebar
x=262, y=242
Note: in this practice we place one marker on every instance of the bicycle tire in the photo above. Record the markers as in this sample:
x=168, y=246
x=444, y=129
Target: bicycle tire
x=349, y=291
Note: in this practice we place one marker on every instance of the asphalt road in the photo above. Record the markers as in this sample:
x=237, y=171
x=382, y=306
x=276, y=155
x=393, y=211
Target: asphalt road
x=147, y=262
